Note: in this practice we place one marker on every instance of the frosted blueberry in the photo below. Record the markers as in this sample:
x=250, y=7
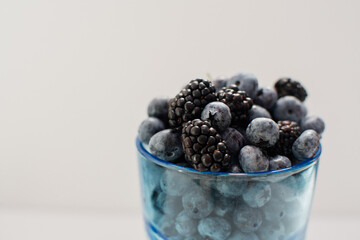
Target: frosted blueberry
x=235, y=168
x=185, y=225
x=274, y=210
x=231, y=188
x=294, y=209
x=313, y=122
x=238, y=235
x=258, y=112
x=197, y=204
x=247, y=219
x=174, y=183
x=279, y=162
x=262, y=132
x=306, y=145
x=234, y=140
x=271, y=230
x=148, y=128
x=220, y=82
x=218, y=114
x=224, y=205
x=194, y=237
x=285, y=190
x=266, y=97
x=214, y=228
x=247, y=82
x=253, y=160
x=158, y=107
x=167, y=204
x=289, y=108
x=166, y=225
x=166, y=145
x=257, y=194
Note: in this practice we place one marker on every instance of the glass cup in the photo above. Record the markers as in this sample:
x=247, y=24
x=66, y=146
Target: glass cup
x=180, y=203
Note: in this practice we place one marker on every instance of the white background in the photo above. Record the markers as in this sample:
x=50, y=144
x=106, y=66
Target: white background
x=76, y=77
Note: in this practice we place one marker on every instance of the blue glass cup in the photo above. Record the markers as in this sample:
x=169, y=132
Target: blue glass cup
x=180, y=203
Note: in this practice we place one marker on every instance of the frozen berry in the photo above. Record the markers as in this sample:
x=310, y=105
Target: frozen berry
x=290, y=87
x=306, y=145
x=257, y=194
x=175, y=183
x=220, y=82
x=285, y=190
x=234, y=140
x=166, y=145
x=258, y=112
x=197, y=204
x=224, y=205
x=149, y=127
x=214, y=228
x=289, y=108
x=263, y=132
x=247, y=82
x=279, y=162
x=231, y=187
x=312, y=122
x=266, y=97
x=218, y=114
x=247, y=219
x=158, y=107
x=274, y=210
x=271, y=230
x=252, y=159
x=238, y=235
x=185, y=225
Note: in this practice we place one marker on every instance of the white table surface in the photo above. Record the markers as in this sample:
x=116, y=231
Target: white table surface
x=52, y=225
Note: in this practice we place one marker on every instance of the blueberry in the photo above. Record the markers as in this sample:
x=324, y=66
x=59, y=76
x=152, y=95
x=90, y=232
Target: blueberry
x=238, y=235
x=220, y=82
x=274, y=210
x=247, y=219
x=313, y=122
x=306, y=145
x=148, y=128
x=231, y=187
x=218, y=114
x=266, y=97
x=197, y=204
x=235, y=168
x=166, y=145
x=185, y=225
x=289, y=108
x=263, y=132
x=294, y=225
x=285, y=190
x=224, y=205
x=246, y=82
x=279, y=162
x=294, y=209
x=258, y=112
x=234, y=140
x=158, y=107
x=214, y=228
x=176, y=237
x=194, y=237
x=174, y=183
x=257, y=194
x=166, y=225
x=167, y=204
x=253, y=160
x=271, y=230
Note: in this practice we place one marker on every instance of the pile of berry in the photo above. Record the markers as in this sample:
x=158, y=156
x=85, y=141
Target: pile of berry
x=233, y=125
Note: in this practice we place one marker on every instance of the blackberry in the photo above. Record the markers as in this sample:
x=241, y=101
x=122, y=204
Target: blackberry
x=288, y=86
x=189, y=103
x=238, y=102
x=204, y=148
x=289, y=131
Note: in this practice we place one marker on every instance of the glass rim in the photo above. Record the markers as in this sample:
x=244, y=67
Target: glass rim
x=293, y=169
